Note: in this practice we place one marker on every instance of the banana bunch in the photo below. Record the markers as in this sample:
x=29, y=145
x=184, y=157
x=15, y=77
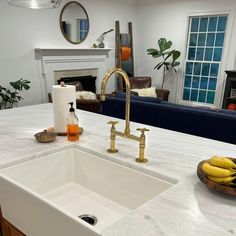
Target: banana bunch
x=221, y=170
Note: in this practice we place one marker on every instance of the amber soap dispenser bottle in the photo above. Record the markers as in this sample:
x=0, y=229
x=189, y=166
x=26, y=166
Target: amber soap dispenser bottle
x=72, y=125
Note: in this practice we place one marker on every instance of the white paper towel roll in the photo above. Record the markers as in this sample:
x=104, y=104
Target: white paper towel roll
x=61, y=96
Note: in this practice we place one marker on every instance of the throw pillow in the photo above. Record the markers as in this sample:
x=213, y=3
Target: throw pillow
x=85, y=95
x=146, y=92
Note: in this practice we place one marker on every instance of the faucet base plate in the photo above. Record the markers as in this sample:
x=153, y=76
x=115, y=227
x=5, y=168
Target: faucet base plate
x=112, y=150
x=141, y=160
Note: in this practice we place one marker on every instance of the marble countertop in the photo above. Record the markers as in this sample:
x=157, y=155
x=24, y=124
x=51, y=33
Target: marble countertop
x=187, y=208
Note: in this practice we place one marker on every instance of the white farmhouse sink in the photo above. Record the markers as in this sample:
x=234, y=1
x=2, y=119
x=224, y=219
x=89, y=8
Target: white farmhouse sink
x=45, y=196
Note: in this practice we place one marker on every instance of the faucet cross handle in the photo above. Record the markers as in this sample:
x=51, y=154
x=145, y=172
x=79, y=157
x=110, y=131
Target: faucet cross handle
x=112, y=148
x=112, y=123
x=142, y=130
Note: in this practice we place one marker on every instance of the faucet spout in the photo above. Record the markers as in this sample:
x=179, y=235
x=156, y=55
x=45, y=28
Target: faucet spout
x=126, y=133
x=127, y=104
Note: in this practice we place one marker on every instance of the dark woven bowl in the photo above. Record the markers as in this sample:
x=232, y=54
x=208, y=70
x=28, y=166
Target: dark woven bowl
x=45, y=136
x=212, y=185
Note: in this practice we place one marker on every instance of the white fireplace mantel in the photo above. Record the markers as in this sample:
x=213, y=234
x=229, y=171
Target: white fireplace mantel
x=54, y=52
x=62, y=59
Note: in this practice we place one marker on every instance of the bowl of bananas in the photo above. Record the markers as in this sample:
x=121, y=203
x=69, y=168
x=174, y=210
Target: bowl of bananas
x=218, y=173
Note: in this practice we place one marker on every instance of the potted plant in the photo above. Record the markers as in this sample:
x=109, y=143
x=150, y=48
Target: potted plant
x=11, y=96
x=168, y=60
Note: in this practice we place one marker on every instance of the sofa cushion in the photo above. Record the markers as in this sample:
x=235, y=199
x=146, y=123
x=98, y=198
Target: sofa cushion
x=85, y=95
x=146, y=92
x=139, y=98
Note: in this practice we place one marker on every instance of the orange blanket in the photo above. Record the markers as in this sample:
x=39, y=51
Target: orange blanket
x=125, y=53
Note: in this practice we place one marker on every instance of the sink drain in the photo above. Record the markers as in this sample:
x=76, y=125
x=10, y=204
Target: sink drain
x=92, y=220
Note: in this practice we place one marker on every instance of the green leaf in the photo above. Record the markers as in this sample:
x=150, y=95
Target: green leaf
x=176, y=55
x=9, y=97
x=155, y=53
x=20, y=84
x=169, y=55
x=176, y=63
x=164, y=44
x=158, y=66
x=151, y=50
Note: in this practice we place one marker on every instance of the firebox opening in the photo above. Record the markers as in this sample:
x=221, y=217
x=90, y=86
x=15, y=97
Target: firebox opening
x=88, y=82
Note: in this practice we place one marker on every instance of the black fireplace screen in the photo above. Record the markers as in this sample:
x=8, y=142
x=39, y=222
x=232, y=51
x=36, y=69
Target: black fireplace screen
x=88, y=82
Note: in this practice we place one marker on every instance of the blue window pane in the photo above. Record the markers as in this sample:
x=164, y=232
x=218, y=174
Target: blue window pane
x=195, y=83
x=187, y=81
x=186, y=94
x=208, y=54
x=217, y=54
x=193, y=40
x=214, y=69
x=189, y=68
x=201, y=39
x=86, y=25
x=202, y=96
x=205, y=69
x=200, y=52
x=222, y=23
x=195, y=23
x=197, y=68
x=212, y=24
x=210, y=97
x=212, y=84
x=194, y=94
x=210, y=39
x=82, y=35
x=219, y=39
x=203, y=24
x=203, y=83
x=191, y=53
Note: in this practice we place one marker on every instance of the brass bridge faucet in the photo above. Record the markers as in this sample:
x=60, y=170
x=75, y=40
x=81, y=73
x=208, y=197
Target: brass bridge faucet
x=126, y=133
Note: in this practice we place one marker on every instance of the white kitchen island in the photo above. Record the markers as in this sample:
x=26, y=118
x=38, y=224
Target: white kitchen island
x=186, y=209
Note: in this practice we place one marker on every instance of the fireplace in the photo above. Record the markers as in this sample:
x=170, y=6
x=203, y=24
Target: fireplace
x=88, y=82
x=72, y=63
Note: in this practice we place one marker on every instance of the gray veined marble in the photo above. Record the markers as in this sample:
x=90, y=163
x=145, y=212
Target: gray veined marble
x=186, y=209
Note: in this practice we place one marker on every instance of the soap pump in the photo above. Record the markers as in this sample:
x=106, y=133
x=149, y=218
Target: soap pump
x=72, y=124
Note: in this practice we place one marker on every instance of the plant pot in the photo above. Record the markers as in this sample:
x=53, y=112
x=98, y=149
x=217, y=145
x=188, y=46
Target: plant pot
x=163, y=94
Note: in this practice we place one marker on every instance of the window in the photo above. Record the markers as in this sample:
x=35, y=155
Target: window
x=204, y=54
x=83, y=26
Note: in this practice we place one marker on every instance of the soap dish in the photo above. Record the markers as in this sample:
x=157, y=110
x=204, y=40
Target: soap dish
x=45, y=136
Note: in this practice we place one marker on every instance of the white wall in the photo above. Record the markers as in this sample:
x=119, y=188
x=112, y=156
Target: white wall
x=169, y=19
x=23, y=30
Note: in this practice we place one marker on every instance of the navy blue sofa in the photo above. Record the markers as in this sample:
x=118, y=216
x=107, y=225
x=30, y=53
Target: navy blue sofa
x=214, y=124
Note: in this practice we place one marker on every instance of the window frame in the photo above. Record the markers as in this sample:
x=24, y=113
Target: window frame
x=219, y=92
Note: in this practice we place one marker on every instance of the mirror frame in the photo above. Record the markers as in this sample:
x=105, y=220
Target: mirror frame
x=60, y=22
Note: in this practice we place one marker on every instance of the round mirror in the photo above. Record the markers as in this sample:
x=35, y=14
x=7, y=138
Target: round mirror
x=74, y=22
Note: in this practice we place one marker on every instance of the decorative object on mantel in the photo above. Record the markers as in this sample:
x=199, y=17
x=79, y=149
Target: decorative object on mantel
x=162, y=52
x=45, y=136
x=35, y=4
x=101, y=39
x=10, y=97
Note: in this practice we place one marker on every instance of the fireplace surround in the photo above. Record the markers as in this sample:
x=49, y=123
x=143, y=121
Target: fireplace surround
x=72, y=62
